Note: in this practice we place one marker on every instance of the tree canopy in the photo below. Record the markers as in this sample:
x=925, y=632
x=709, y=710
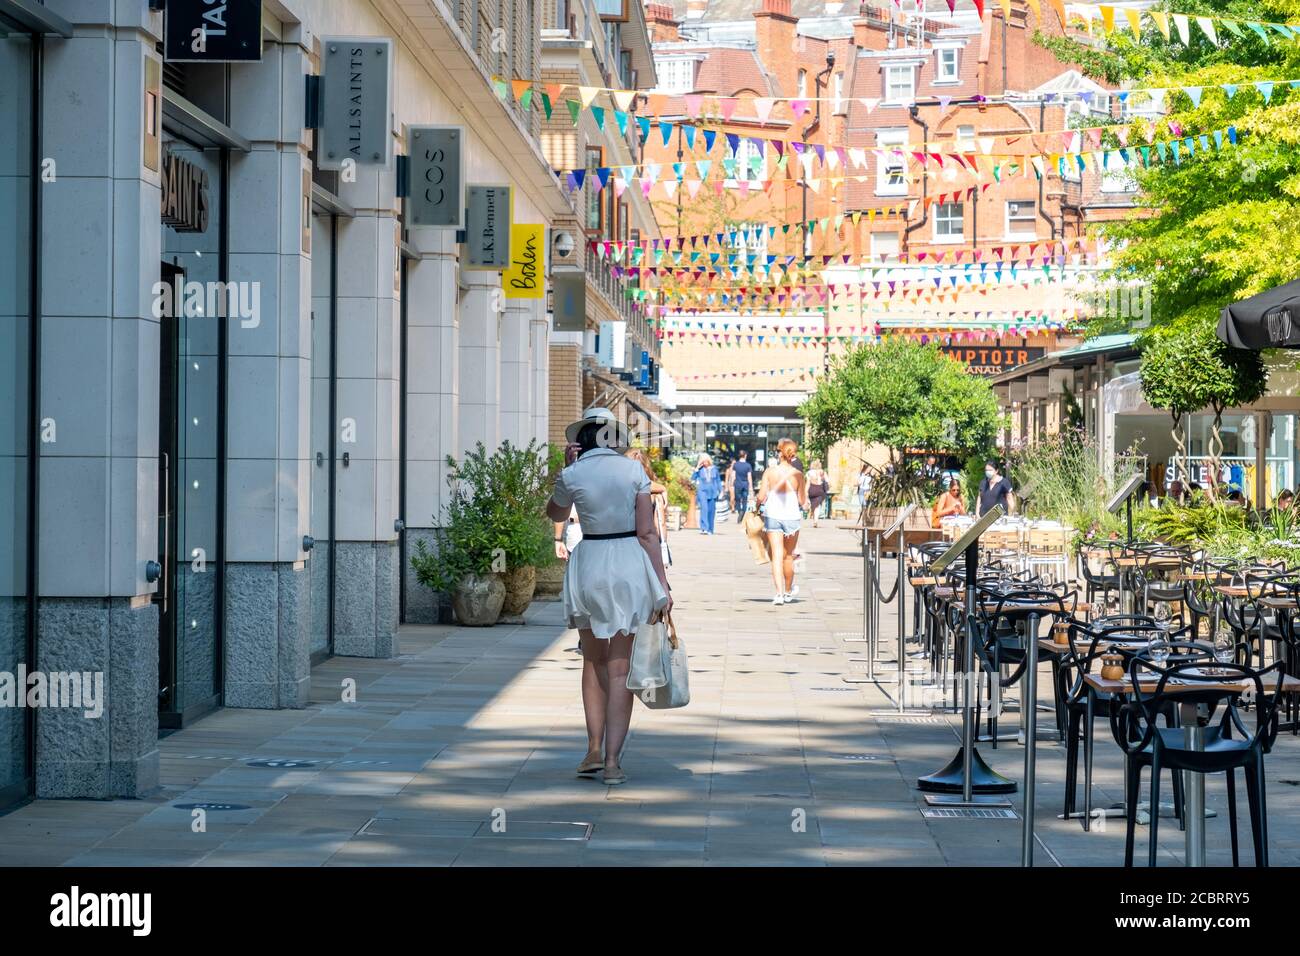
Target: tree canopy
x=903, y=395
x=1223, y=224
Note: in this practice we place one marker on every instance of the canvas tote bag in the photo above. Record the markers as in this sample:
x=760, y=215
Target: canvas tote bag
x=646, y=667
x=676, y=691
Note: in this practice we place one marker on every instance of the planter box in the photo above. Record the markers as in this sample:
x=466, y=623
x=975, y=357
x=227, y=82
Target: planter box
x=673, y=518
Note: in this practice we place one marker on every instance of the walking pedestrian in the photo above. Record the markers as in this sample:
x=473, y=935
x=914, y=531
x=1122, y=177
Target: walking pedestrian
x=818, y=486
x=614, y=582
x=708, y=485
x=744, y=478
x=783, y=492
x=659, y=499
x=993, y=489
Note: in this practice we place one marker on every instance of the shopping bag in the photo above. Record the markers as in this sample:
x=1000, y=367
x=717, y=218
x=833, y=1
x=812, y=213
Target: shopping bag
x=676, y=692
x=758, y=544
x=646, y=667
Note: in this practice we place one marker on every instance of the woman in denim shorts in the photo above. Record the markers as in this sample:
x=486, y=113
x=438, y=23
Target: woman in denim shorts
x=783, y=496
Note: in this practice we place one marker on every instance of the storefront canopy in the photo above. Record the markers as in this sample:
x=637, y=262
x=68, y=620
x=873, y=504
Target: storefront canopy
x=1270, y=320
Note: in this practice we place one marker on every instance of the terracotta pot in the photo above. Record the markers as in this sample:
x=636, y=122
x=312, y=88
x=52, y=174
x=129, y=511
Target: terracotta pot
x=692, y=515
x=478, y=599
x=550, y=581
x=520, y=584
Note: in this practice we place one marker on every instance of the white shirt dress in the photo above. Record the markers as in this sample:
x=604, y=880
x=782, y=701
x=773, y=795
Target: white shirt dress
x=610, y=584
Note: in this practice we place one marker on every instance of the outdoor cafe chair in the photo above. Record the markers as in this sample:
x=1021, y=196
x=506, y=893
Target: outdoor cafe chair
x=1046, y=551
x=1096, y=583
x=1083, y=705
x=1152, y=571
x=1228, y=746
x=1003, y=636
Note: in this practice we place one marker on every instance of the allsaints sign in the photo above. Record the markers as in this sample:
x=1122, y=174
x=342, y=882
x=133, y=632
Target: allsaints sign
x=487, y=227
x=213, y=31
x=184, y=194
x=525, y=278
x=437, y=191
x=356, y=90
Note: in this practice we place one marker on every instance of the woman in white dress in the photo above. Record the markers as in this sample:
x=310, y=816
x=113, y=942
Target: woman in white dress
x=614, y=582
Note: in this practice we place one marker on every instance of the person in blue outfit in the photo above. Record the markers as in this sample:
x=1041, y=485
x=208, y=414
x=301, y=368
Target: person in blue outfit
x=743, y=481
x=708, y=485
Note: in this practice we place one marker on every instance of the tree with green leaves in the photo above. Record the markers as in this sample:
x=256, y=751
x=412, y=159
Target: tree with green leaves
x=1222, y=224
x=1187, y=368
x=902, y=395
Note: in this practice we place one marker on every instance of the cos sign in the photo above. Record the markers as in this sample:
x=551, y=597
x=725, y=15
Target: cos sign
x=184, y=194
x=437, y=190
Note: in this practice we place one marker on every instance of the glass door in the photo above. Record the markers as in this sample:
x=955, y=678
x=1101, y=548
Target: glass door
x=321, y=559
x=16, y=374
x=190, y=422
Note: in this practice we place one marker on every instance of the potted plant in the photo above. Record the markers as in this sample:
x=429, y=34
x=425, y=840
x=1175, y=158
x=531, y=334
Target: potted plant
x=494, y=534
x=550, y=574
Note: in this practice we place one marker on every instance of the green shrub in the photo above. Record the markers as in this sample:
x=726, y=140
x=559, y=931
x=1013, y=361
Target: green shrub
x=495, y=518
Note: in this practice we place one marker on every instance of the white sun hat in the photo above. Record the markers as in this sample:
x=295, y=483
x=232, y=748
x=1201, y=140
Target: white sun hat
x=614, y=434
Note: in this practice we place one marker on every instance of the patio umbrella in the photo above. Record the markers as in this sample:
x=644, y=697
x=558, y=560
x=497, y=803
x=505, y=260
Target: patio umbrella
x=1269, y=320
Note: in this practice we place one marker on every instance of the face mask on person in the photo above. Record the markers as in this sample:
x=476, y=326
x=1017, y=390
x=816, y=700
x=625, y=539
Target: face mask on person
x=989, y=473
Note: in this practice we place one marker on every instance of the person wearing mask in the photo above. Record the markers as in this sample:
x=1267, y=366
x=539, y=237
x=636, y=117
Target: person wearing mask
x=708, y=485
x=818, y=486
x=948, y=505
x=744, y=477
x=782, y=494
x=614, y=582
x=994, y=489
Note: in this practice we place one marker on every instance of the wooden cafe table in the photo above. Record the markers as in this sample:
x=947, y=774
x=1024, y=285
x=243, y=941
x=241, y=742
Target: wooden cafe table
x=1194, y=735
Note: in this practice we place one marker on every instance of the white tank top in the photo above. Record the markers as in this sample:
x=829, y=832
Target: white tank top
x=783, y=505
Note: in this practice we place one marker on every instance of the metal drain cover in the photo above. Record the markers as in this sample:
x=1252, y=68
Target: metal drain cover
x=838, y=690
x=211, y=806
x=969, y=813
x=463, y=828
x=283, y=763
x=910, y=719
x=861, y=757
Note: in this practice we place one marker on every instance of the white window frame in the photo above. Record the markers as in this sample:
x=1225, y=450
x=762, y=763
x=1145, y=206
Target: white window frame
x=803, y=84
x=745, y=152
x=881, y=255
x=1012, y=233
x=945, y=237
x=751, y=238
x=886, y=139
x=676, y=74
x=942, y=76
x=887, y=73
x=965, y=144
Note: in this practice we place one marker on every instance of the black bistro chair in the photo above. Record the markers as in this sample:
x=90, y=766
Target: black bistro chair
x=1003, y=634
x=1228, y=745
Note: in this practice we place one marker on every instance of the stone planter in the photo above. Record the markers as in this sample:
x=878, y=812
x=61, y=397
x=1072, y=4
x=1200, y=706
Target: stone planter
x=520, y=584
x=478, y=599
x=673, y=518
x=550, y=581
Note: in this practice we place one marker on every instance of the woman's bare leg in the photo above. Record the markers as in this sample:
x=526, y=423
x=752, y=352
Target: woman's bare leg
x=618, y=712
x=775, y=545
x=595, y=689
x=790, y=544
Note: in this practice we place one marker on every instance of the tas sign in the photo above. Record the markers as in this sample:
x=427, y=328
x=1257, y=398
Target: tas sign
x=213, y=31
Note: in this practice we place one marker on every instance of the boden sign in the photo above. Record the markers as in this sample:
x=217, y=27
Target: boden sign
x=525, y=278
x=356, y=93
x=213, y=31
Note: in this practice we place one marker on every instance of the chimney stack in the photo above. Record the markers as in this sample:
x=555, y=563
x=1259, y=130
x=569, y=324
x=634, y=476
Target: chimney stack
x=663, y=28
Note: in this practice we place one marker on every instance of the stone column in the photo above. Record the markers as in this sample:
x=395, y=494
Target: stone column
x=432, y=401
x=101, y=248
x=369, y=415
x=539, y=330
x=268, y=432
x=480, y=360
x=516, y=372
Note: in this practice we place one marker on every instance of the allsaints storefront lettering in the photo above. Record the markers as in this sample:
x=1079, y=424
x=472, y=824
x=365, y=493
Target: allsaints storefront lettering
x=184, y=194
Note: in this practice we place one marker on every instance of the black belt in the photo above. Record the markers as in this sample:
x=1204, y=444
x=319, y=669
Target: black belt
x=607, y=537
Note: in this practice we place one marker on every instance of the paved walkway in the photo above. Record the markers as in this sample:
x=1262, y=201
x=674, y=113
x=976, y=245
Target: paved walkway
x=461, y=752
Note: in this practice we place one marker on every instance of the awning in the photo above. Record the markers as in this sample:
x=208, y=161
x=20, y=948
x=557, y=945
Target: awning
x=35, y=17
x=1270, y=320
